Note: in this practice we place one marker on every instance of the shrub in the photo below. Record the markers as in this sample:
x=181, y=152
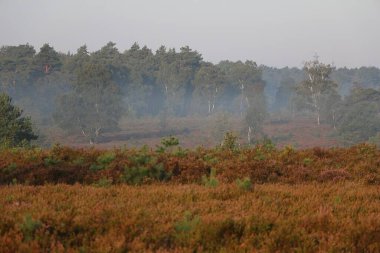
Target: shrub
x=103, y=182
x=210, y=181
x=29, y=227
x=51, y=161
x=245, y=184
x=230, y=141
x=106, y=158
x=134, y=175
x=187, y=224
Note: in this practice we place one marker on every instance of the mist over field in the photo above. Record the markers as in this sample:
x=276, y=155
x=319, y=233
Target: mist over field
x=189, y=126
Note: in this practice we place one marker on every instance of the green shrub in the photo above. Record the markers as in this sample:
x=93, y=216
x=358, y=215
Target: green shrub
x=106, y=158
x=307, y=161
x=96, y=167
x=51, y=161
x=134, y=175
x=167, y=144
x=210, y=181
x=187, y=224
x=103, y=182
x=29, y=227
x=245, y=184
x=78, y=161
x=10, y=168
x=137, y=174
x=230, y=141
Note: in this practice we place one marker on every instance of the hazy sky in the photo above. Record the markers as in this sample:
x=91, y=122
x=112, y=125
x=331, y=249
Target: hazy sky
x=271, y=32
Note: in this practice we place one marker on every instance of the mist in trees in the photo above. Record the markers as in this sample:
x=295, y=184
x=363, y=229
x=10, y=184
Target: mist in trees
x=87, y=93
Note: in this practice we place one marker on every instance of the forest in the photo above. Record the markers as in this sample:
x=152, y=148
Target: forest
x=88, y=95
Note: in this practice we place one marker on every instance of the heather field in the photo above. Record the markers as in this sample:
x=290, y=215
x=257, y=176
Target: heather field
x=314, y=217
x=170, y=199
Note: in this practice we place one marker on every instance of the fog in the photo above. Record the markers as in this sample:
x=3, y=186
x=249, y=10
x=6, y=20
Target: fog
x=274, y=33
x=296, y=72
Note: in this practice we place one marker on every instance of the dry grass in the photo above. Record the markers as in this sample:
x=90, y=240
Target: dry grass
x=343, y=217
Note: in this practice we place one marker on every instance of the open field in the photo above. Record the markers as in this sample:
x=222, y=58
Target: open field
x=200, y=131
x=340, y=217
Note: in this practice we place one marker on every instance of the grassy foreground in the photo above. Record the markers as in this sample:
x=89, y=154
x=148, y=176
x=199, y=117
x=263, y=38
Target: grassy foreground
x=312, y=217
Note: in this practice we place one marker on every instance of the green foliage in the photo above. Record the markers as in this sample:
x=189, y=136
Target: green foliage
x=93, y=106
x=103, y=182
x=29, y=227
x=230, y=141
x=210, y=181
x=106, y=158
x=318, y=90
x=15, y=130
x=187, y=224
x=135, y=175
x=170, y=144
x=359, y=118
x=210, y=159
x=145, y=167
x=51, y=161
x=96, y=167
x=103, y=161
x=307, y=161
x=79, y=161
x=10, y=168
x=244, y=184
x=170, y=141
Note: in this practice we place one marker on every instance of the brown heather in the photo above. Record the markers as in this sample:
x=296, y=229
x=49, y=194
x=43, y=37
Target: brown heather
x=334, y=217
x=78, y=200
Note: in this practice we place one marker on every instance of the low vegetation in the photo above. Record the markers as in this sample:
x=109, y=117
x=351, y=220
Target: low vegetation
x=171, y=164
x=324, y=217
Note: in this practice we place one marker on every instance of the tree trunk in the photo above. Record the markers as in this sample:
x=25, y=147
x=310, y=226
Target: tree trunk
x=249, y=134
x=318, y=116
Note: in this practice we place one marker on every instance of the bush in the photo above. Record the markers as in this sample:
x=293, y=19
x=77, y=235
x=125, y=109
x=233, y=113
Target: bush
x=210, y=181
x=244, y=184
x=29, y=227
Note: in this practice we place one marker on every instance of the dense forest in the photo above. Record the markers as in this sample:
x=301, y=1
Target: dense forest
x=87, y=93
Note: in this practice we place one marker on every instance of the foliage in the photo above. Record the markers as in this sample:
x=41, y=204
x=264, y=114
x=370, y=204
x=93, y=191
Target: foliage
x=262, y=163
x=358, y=116
x=230, y=141
x=245, y=184
x=210, y=181
x=317, y=87
x=29, y=227
x=94, y=105
x=15, y=130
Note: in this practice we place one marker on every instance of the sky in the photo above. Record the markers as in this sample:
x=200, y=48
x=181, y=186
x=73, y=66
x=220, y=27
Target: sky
x=276, y=33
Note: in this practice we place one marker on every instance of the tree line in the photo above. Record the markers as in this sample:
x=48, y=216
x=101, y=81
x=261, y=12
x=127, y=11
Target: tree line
x=88, y=93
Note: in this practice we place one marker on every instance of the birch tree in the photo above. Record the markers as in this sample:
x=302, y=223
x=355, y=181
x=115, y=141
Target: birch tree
x=208, y=83
x=316, y=85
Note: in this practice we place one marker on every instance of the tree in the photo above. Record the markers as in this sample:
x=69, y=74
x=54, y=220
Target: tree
x=241, y=76
x=15, y=130
x=175, y=73
x=208, y=83
x=143, y=96
x=46, y=61
x=15, y=67
x=256, y=112
x=317, y=85
x=285, y=93
x=94, y=105
x=358, y=116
